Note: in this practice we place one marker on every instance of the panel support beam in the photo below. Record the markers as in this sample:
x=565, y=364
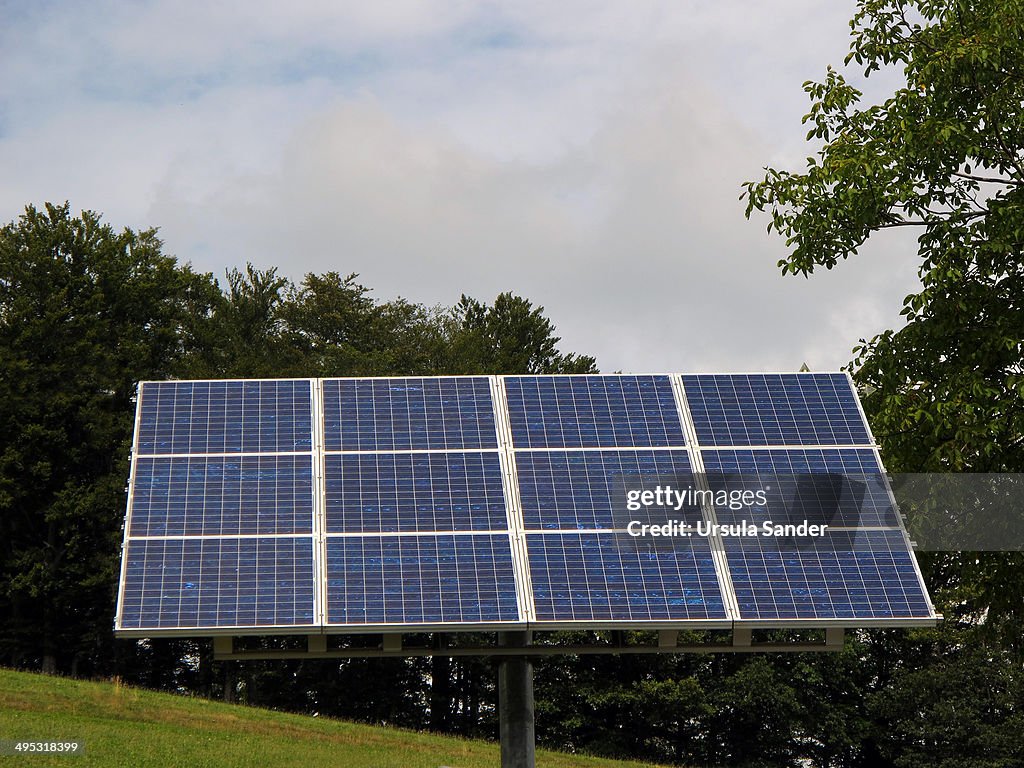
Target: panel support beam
x=834, y=637
x=502, y=651
x=515, y=703
x=392, y=643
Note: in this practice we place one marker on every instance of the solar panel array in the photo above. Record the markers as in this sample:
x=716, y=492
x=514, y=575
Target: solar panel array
x=476, y=502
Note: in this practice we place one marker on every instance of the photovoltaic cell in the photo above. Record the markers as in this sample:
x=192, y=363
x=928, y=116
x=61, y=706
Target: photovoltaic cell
x=847, y=575
x=210, y=582
x=207, y=496
x=608, y=577
x=855, y=494
x=389, y=492
x=446, y=413
x=592, y=412
x=775, y=409
x=586, y=489
x=224, y=417
x=420, y=579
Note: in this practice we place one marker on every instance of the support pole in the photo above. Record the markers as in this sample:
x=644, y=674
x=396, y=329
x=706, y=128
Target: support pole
x=515, y=704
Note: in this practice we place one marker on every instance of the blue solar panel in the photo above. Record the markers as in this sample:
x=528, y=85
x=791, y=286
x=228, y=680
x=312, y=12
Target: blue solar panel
x=608, y=577
x=389, y=492
x=775, y=409
x=203, y=496
x=447, y=413
x=225, y=417
x=413, y=504
x=585, y=489
x=228, y=582
x=847, y=575
x=860, y=499
x=593, y=412
x=420, y=579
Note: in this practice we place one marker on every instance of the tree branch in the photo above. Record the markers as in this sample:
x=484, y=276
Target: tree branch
x=987, y=179
x=890, y=225
x=928, y=222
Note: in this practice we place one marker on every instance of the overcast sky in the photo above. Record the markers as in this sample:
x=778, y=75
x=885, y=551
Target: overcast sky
x=585, y=155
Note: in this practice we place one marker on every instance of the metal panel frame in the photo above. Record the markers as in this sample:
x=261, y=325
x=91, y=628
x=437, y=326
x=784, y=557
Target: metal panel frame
x=130, y=490
x=517, y=538
x=892, y=495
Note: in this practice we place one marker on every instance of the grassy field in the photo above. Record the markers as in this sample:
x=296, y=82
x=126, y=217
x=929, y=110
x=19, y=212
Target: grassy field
x=124, y=726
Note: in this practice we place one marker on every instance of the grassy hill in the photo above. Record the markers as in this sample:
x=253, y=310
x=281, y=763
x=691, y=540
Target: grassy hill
x=124, y=726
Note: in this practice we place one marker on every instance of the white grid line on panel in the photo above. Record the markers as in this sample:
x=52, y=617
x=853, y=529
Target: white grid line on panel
x=319, y=541
x=516, y=526
x=729, y=598
x=403, y=451
x=222, y=454
x=212, y=536
x=391, y=534
x=787, y=446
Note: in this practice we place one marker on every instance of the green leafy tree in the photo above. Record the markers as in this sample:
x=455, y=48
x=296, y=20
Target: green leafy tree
x=511, y=336
x=342, y=331
x=85, y=312
x=756, y=712
x=963, y=712
x=247, y=333
x=943, y=156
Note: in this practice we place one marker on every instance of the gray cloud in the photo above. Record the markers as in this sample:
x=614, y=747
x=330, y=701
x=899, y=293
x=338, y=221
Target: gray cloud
x=587, y=158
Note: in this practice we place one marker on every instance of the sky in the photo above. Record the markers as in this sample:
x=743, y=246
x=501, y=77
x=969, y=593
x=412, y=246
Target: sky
x=588, y=156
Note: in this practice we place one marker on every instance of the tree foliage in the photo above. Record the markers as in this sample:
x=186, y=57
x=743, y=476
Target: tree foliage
x=84, y=313
x=943, y=157
x=511, y=336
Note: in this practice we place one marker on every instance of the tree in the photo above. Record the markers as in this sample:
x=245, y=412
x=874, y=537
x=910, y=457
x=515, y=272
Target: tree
x=944, y=157
x=246, y=335
x=85, y=312
x=962, y=712
x=511, y=336
x=342, y=331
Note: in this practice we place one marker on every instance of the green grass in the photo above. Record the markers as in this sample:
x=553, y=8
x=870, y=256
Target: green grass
x=124, y=726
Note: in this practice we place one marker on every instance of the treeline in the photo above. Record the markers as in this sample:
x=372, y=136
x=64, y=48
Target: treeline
x=86, y=312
